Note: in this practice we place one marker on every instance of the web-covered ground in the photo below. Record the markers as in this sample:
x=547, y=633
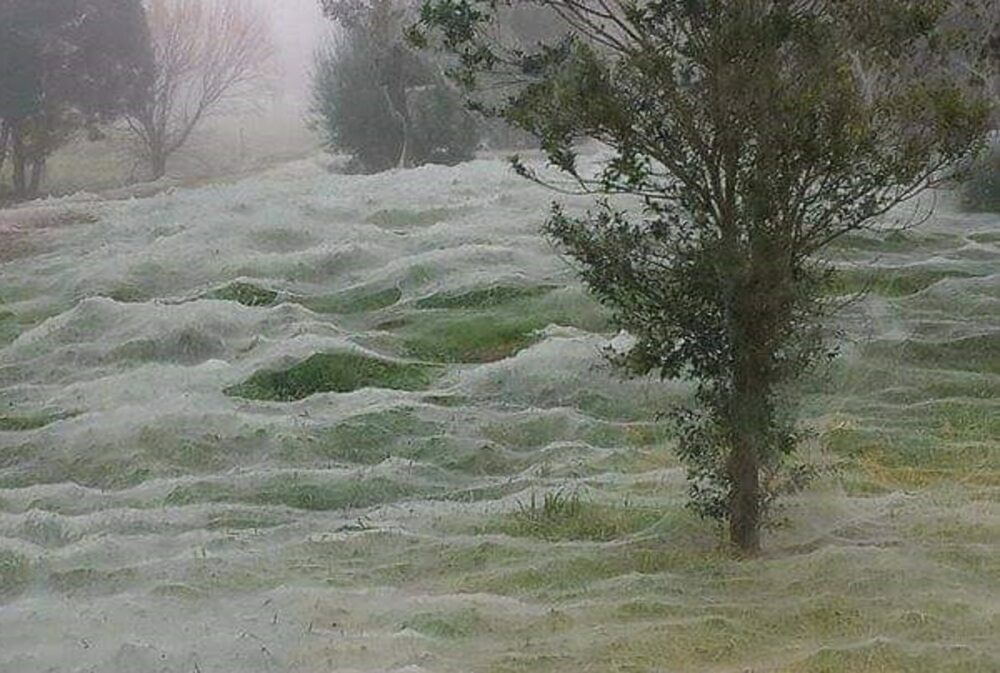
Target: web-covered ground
x=314, y=423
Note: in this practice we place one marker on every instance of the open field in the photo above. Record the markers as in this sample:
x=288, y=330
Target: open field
x=313, y=423
x=232, y=145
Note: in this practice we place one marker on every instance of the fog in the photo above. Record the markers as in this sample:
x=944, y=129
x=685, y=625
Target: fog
x=298, y=26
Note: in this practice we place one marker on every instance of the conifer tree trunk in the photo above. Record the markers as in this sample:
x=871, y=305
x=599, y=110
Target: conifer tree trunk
x=4, y=142
x=19, y=163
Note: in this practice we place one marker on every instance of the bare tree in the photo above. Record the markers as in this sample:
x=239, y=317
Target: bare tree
x=206, y=52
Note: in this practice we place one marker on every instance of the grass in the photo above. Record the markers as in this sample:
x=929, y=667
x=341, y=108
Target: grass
x=244, y=520
x=358, y=300
x=472, y=339
x=368, y=439
x=285, y=239
x=881, y=656
x=985, y=237
x=566, y=516
x=927, y=445
x=299, y=493
x=494, y=323
x=579, y=572
x=333, y=372
x=15, y=573
x=129, y=294
x=245, y=293
x=494, y=295
x=38, y=464
x=981, y=190
x=448, y=625
x=30, y=422
x=888, y=282
x=895, y=241
x=979, y=353
x=537, y=431
x=10, y=327
x=406, y=217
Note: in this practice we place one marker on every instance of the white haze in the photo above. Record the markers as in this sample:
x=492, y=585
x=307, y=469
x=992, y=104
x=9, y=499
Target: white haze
x=298, y=26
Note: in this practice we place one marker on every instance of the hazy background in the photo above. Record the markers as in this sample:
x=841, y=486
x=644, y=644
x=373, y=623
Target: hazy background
x=243, y=136
x=298, y=29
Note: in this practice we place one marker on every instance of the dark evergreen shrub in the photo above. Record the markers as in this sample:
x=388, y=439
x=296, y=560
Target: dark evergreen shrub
x=981, y=191
x=354, y=109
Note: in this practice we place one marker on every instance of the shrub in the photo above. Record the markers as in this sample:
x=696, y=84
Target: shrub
x=981, y=191
x=356, y=114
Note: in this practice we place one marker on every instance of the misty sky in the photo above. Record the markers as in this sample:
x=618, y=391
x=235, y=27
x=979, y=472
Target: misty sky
x=298, y=27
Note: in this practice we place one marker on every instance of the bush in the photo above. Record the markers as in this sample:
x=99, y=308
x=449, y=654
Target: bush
x=354, y=111
x=444, y=131
x=981, y=191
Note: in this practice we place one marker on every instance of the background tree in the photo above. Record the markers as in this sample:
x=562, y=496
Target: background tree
x=205, y=53
x=980, y=21
x=379, y=100
x=751, y=134
x=64, y=65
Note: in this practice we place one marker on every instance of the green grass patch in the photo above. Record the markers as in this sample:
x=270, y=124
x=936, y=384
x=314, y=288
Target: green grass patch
x=10, y=327
x=405, y=217
x=881, y=656
x=985, y=237
x=244, y=520
x=441, y=450
x=888, y=282
x=15, y=573
x=30, y=422
x=467, y=334
x=938, y=444
x=573, y=576
x=282, y=239
x=31, y=464
x=297, y=492
x=531, y=433
x=369, y=439
x=980, y=353
x=479, y=338
x=540, y=430
x=695, y=644
x=244, y=293
x=358, y=300
x=128, y=294
x=487, y=297
x=92, y=581
x=483, y=459
x=480, y=493
x=896, y=242
x=334, y=372
x=164, y=446
x=562, y=516
x=449, y=625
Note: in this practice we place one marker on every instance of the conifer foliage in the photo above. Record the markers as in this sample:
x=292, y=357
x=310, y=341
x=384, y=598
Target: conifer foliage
x=381, y=101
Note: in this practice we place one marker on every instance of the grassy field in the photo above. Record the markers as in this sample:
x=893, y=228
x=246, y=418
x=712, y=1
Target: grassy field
x=308, y=422
x=225, y=145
